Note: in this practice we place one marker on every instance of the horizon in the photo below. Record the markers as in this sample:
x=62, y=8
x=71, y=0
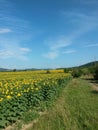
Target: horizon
x=48, y=34
x=47, y=68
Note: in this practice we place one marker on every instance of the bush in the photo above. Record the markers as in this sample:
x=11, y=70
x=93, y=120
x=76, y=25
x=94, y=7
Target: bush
x=96, y=73
x=85, y=71
x=47, y=72
x=76, y=73
x=66, y=70
x=92, y=69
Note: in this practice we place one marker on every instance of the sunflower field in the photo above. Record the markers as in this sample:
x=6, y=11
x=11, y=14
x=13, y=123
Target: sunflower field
x=22, y=91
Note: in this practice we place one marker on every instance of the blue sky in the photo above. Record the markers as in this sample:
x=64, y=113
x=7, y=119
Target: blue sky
x=48, y=33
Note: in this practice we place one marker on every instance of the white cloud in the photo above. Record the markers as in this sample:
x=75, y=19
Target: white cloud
x=12, y=45
x=90, y=2
x=69, y=51
x=58, y=43
x=83, y=23
x=14, y=50
x=55, y=46
x=25, y=49
x=5, y=30
x=9, y=18
x=51, y=55
x=5, y=54
x=91, y=45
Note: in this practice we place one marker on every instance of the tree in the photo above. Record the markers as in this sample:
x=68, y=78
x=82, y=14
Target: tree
x=76, y=73
x=66, y=70
x=96, y=73
x=14, y=70
x=85, y=71
x=48, y=72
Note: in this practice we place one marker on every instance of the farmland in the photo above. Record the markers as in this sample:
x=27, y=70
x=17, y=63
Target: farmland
x=23, y=91
x=47, y=100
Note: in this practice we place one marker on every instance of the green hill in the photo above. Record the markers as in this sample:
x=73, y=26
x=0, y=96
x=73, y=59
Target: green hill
x=4, y=69
x=87, y=65
x=90, y=64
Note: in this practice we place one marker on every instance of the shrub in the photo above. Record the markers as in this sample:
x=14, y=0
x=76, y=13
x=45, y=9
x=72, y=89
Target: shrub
x=96, y=73
x=14, y=70
x=66, y=70
x=92, y=69
x=76, y=73
x=85, y=71
x=47, y=72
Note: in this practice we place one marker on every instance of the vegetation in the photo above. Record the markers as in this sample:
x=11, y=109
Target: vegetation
x=24, y=91
x=88, y=65
x=96, y=73
x=24, y=94
x=66, y=70
x=14, y=70
x=76, y=109
x=76, y=73
x=48, y=72
x=86, y=69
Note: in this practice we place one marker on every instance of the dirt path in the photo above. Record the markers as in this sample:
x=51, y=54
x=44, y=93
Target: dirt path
x=94, y=84
x=25, y=126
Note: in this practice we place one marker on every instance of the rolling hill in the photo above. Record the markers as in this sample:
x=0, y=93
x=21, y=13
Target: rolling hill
x=87, y=65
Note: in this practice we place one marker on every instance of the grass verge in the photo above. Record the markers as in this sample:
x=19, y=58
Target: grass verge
x=76, y=109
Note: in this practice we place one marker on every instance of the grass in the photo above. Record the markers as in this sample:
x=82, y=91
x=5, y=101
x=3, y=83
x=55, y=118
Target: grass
x=29, y=116
x=76, y=109
x=25, y=122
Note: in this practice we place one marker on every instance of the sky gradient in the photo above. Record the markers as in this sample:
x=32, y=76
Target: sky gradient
x=48, y=33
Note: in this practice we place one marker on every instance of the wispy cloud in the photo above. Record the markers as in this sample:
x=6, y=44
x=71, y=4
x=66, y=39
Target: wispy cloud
x=5, y=30
x=83, y=22
x=86, y=2
x=5, y=54
x=89, y=2
x=11, y=44
x=55, y=46
x=25, y=50
x=14, y=51
x=69, y=51
x=10, y=20
x=91, y=45
x=58, y=44
x=51, y=55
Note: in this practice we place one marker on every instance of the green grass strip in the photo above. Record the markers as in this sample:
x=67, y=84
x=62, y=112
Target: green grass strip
x=76, y=109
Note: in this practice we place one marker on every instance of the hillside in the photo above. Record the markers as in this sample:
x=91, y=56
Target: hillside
x=90, y=64
x=87, y=65
x=4, y=69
